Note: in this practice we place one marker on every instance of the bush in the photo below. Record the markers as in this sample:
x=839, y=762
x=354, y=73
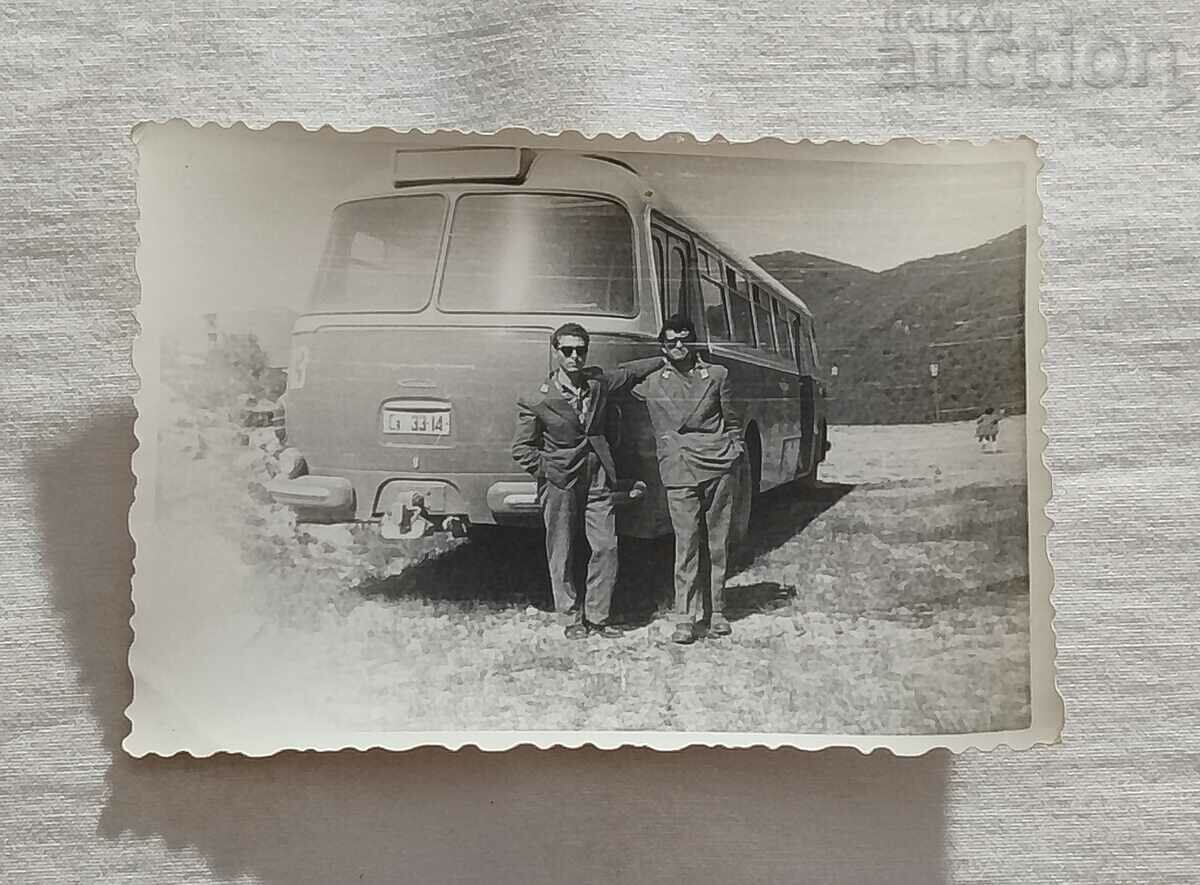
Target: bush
x=228, y=376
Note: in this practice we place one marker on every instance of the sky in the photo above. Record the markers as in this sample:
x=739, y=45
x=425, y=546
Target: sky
x=235, y=219
x=873, y=215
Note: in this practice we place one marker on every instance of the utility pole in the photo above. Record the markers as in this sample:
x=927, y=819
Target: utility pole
x=935, y=370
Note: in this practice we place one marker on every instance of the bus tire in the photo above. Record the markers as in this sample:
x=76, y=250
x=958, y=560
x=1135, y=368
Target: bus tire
x=749, y=476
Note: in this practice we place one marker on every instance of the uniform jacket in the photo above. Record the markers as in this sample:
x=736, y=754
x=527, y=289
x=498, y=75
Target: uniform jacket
x=552, y=443
x=697, y=430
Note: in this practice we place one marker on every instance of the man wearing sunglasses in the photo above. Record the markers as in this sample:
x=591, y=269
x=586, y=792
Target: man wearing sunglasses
x=560, y=441
x=698, y=435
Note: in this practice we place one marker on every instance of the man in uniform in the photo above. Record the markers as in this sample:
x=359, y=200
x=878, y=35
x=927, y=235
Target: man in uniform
x=698, y=436
x=560, y=441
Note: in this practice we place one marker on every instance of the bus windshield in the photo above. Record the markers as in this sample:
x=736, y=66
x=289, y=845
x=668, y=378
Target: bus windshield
x=540, y=253
x=381, y=255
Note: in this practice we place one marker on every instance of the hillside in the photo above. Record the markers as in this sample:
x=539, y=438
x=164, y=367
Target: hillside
x=964, y=311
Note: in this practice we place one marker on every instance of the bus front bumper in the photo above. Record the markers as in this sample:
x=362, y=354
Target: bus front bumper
x=522, y=497
x=513, y=498
x=331, y=499
x=316, y=498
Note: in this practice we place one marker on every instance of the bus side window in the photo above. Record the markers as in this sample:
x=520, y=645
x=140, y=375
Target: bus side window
x=740, y=315
x=677, y=295
x=660, y=272
x=781, y=326
x=806, y=346
x=812, y=345
x=712, y=297
x=673, y=272
x=762, y=321
x=803, y=352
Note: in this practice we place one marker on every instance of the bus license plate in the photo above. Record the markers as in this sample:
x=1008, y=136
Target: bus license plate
x=428, y=423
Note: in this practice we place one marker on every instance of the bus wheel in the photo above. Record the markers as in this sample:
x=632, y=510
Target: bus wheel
x=749, y=476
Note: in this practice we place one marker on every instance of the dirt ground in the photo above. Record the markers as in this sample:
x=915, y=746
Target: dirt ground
x=891, y=599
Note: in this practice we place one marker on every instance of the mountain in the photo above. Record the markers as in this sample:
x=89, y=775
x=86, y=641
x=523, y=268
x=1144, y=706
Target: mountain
x=963, y=311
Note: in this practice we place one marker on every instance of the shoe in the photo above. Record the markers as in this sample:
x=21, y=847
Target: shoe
x=718, y=626
x=606, y=631
x=576, y=631
x=685, y=634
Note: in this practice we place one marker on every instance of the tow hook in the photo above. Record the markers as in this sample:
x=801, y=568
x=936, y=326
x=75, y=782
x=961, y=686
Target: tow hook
x=455, y=525
x=406, y=518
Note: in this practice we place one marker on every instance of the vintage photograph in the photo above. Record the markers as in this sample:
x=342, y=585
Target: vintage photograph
x=500, y=439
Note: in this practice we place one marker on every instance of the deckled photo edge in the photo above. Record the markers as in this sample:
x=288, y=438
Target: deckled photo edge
x=1046, y=707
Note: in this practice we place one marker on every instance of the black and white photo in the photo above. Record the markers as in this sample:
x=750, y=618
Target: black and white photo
x=491, y=440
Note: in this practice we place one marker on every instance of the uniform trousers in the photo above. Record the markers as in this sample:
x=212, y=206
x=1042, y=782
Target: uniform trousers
x=587, y=505
x=701, y=513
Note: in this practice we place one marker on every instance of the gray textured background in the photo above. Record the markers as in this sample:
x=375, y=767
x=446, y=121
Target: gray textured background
x=1117, y=801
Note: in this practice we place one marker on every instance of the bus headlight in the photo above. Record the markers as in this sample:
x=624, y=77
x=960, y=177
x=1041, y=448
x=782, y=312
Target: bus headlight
x=292, y=463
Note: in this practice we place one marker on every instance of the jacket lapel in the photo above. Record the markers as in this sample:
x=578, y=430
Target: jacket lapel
x=556, y=403
x=681, y=408
x=697, y=403
x=593, y=403
x=667, y=384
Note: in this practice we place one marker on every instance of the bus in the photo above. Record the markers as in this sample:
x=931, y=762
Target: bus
x=433, y=307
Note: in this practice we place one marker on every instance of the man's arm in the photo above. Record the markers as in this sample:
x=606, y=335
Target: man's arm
x=527, y=441
x=729, y=409
x=628, y=374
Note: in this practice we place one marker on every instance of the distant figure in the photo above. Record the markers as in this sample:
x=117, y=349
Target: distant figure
x=987, y=428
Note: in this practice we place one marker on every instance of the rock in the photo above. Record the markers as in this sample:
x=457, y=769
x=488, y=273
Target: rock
x=337, y=535
x=266, y=439
x=253, y=412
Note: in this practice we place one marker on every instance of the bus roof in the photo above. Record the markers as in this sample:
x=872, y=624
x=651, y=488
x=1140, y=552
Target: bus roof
x=570, y=170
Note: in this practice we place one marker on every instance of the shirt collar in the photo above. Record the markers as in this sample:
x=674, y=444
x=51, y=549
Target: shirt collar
x=699, y=367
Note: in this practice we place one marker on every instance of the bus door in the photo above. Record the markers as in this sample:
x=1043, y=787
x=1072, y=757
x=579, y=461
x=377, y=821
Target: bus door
x=802, y=344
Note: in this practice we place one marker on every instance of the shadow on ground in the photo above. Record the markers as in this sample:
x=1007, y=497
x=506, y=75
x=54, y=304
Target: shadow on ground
x=527, y=815
x=764, y=596
x=784, y=512
x=507, y=566
x=499, y=565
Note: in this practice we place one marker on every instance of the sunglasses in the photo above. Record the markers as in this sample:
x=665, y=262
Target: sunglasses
x=569, y=350
x=673, y=341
